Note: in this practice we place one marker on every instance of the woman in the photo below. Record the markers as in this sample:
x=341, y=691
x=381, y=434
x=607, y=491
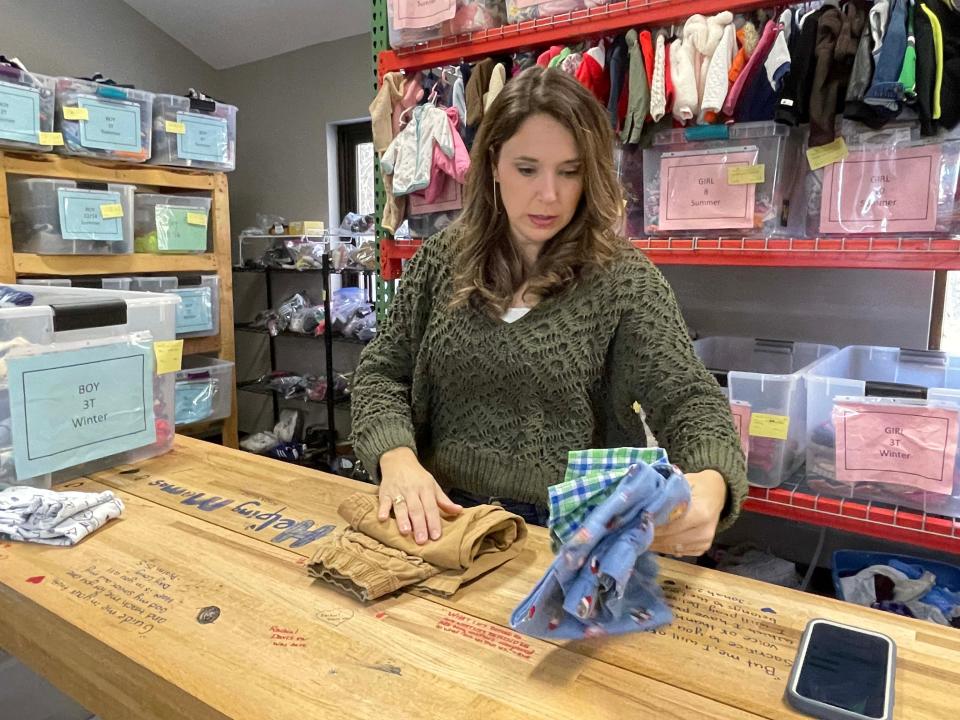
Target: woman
x=532, y=327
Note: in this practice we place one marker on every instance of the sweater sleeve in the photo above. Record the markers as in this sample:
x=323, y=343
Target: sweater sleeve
x=381, y=393
x=654, y=363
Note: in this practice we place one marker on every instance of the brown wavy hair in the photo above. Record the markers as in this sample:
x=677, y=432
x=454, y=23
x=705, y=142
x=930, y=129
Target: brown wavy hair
x=490, y=269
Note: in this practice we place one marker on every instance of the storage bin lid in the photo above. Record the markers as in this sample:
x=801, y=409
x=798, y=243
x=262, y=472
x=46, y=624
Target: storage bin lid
x=719, y=133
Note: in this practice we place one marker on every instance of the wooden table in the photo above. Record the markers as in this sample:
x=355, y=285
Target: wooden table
x=196, y=605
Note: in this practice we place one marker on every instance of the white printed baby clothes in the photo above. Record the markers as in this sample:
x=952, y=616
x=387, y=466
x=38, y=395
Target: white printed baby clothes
x=54, y=518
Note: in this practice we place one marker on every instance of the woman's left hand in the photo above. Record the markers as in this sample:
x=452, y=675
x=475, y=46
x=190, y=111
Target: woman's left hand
x=692, y=534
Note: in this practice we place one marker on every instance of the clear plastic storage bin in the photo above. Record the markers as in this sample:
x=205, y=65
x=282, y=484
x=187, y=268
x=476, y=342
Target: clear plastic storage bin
x=764, y=381
x=79, y=391
x=104, y=121
x=744, y=180
x=46, y=282
x=63, y=217
x=155, y=284
x=522, y=10
x=882, y=425
x=198, y=314
x=892, y=181
x=27, y=102
x=104, y=283
x=194, y=132
x=411, y=22
x=204, y=389
x=170, y=223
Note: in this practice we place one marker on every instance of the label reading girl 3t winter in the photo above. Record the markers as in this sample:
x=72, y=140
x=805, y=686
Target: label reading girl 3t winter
x=695, y=193
x=73, y=406
x=910, y=445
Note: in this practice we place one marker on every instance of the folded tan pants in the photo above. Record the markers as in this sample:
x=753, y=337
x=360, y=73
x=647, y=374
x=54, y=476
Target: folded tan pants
x=371, y=558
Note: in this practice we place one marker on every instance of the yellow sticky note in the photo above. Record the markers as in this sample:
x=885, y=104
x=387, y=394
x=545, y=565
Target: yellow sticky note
x=824, y=155
x=196, y=218
x=746, y=174
x=50, y=138
x=174, y=127
x=111, y=210
x=169, y=354
x=76, y=113
x=769, y=426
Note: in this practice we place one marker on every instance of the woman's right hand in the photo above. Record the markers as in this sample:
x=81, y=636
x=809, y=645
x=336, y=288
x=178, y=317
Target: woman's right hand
x=414, y=495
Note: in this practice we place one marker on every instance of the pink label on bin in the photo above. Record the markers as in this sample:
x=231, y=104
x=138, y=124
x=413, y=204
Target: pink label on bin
x=891, y=191
x=695, y=194
x=905, y=445
x=418, y=14
x=741, y=421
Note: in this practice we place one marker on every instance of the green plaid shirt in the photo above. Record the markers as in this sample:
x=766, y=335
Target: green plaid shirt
x=591, y=476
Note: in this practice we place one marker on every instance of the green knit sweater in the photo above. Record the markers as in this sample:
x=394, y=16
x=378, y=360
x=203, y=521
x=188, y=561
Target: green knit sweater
x=492, y=408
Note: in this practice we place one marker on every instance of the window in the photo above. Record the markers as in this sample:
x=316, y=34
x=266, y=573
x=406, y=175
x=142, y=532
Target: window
x=355, y=168
x=946, y=305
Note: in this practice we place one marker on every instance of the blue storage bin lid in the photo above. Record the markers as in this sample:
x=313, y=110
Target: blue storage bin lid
x=850, y=562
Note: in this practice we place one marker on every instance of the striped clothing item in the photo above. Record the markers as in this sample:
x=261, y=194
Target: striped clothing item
x=591, y=476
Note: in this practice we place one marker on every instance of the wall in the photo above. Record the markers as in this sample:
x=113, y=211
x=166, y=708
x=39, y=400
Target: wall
x=835, y=307
x=285, y=103
x=70, y=37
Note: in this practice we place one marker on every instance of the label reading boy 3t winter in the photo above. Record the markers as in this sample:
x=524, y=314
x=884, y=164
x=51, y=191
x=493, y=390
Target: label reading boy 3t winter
x=74, y=406
x=910, y=445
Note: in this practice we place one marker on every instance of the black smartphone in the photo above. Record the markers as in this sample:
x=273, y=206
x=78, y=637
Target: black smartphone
x=843, y=673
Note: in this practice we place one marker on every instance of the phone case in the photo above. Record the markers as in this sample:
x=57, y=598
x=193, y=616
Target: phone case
x=817, y=709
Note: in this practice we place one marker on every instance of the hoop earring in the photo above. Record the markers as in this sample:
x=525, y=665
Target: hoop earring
x=496, y=205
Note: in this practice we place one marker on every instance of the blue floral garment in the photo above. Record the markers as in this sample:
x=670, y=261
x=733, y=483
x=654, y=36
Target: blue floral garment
x=603, y=580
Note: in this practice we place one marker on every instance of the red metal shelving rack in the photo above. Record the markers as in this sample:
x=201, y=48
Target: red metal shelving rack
x=929, y=253
x=565, y=27
x=850, y=252
x=889, y=523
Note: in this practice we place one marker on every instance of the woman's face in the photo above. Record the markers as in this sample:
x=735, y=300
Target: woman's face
x=540, y=172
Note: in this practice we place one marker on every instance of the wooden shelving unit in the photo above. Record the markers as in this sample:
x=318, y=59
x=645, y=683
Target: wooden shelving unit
x=13, y=264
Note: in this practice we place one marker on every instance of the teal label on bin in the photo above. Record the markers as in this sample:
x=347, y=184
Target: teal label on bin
x=176, y=232
x=19, y=113
x=195, y=311
x=194, y=401
x=112, y=125
x=75, y=406
x=206, y=138
x=82, y=219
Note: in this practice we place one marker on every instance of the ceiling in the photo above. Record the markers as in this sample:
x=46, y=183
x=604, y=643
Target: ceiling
x=225, y=33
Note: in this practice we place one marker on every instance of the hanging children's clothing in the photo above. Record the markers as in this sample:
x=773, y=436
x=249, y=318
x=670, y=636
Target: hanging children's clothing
x=618, y=65
x=658, y=88
x=794, y=96
x=409, y=159
x=638, y=103
x=754, y=65
x=716, y=84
